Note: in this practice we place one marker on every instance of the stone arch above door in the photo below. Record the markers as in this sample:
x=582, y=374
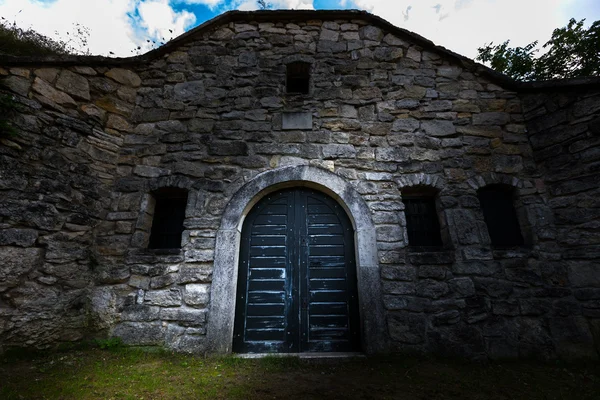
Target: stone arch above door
x=223, y=291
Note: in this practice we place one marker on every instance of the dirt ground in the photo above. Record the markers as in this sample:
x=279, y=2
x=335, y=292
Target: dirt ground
x=134, y=374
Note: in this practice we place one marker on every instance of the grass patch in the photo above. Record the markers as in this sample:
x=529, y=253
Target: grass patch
x=126, y=373
x=275, y=363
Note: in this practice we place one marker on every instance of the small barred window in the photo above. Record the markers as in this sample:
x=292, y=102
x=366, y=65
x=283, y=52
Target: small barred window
x=298, y=78
x=497, y=204
x=422, y=223
x=167, y=223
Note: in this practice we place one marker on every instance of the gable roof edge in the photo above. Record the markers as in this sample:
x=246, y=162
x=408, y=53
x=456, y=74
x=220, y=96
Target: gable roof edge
x=278, y=15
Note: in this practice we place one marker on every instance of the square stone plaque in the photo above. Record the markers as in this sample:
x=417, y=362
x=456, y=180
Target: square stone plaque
x=296, y=120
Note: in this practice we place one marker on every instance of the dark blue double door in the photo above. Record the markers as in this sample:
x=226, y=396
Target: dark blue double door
x=297, y=277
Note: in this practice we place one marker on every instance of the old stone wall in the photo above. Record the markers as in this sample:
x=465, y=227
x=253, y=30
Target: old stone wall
x=564, y=129
x=208, y=116
x=56, y=177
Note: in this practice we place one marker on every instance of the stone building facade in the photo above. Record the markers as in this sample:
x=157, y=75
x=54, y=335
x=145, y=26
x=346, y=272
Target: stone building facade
x=386, y=115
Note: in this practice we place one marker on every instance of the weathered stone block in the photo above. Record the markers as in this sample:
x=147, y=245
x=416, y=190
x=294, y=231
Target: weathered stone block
x=477, y=253
x=371, y=32
x=223, y=148
x=196, y=295
x=583, y=274
x=389, y=233
x=188, y=343
x=450, y=317
x=327, y=34
x=17, y=84
x=525, y=275
x=465, y=226
x=17, y=261
x=55, y=96
x=399, y=273
x=388, y=54
x=140, y=333
x=431, y=257
x=392, y=287
x=18, y=237
x=73, y=84
x=505, y=307
x=189, y=91
x=407, y=303
x=124, y=76
x=47, y=74
x=407, y=328
x=163, y=298
x=149, y=172
x=463, y=287
x=392, y=154
x=438, y=128
x=432, y=289
x=139, y=313
x=159, y=282
x=493, y=287
x=448, y=71
x=432, y=271
x=366, y=93
x=111, y=104
x=491, y=118
x=111, y=274
x=199, y=255
x=392, y=257
x=339, y=151
x=139, y=281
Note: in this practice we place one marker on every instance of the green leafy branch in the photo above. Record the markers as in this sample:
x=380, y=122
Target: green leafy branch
x=573, y=51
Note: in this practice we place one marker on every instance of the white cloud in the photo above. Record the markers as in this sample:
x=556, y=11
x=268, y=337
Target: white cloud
x=294, y=4
x=246, y=5
x=464, y=25
x=209, y=3
x=110, y=22
x=107, y=21
x=249, y=5
x=120, y=26
x=161, y=22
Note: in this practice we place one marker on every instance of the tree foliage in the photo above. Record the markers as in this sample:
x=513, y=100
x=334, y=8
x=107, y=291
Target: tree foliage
x=572, y=51
x=516, y=62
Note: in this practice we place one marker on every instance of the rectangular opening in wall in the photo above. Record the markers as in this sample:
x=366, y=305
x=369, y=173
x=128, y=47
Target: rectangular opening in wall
x=169, y=214
x=422, y=222
x=298, y=78
x=497, y=204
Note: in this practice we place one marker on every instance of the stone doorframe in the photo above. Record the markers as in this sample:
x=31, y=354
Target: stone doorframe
x=227, y=249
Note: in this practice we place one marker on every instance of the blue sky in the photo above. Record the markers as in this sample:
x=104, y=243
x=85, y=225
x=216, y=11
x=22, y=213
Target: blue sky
x=119, y=27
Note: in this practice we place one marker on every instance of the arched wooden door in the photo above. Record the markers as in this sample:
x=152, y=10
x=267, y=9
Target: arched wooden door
x=297, y=277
